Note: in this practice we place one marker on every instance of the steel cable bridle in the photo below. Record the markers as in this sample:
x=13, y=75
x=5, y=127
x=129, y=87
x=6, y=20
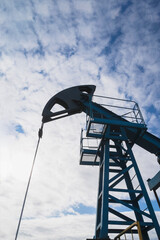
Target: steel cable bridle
x=40, y=133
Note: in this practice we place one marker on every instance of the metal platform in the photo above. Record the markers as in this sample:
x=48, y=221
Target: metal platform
x=107, y=142
x=97, y=122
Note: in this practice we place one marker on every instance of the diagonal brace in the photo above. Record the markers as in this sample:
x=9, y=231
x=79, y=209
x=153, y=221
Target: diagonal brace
x=122, y=172
x=120, y=215
x=129, y=206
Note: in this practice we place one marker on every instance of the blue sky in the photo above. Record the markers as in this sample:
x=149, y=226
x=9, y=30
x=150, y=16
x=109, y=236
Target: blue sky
x=45, y=47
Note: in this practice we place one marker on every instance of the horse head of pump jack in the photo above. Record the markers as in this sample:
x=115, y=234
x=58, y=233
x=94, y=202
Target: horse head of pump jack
x=70, y=99
x=77, y=99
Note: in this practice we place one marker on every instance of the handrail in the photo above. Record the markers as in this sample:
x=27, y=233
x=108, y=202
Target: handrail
x=125, y=100
x=130, y=227
x=134, y=115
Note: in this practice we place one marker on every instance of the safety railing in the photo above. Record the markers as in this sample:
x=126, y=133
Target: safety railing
x=87, y=142
x=127, y=109
x=129, y=229
x=88, y=149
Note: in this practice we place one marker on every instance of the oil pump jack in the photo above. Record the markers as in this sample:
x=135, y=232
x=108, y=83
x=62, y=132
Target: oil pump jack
x=116, y=134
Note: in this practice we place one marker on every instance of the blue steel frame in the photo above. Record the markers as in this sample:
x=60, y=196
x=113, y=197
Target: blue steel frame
x=124, y=135
x=119, y=162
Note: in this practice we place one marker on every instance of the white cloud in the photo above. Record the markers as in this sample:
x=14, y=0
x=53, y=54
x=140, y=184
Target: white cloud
x=45, y=47
x=66, y=227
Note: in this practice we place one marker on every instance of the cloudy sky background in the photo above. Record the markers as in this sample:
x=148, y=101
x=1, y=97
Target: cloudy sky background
x=45, y=47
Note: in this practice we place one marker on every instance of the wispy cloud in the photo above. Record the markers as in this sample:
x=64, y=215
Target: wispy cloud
x=46, y=46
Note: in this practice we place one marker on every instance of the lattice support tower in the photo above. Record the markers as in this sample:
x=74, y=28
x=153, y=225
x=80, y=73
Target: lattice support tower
x=116, y=134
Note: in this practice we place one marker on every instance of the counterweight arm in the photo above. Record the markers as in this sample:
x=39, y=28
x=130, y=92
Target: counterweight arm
x=70, y=99
x=77, y=99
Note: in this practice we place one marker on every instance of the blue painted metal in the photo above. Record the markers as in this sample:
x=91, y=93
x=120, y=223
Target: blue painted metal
x=121, y=173
x=123, y=161
x=135, y=209
x=143, y=138
x=124, y=190
x=128, y=223
x=154, y=183
x=104, y=201
x=117, y=122
x=113, y=155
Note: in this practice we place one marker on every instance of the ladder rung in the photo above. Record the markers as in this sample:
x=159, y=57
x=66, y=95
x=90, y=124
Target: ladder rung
x=114, y=170
x=111, y=164
x=119, y=230
x=112, y=146
x=124, y=190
